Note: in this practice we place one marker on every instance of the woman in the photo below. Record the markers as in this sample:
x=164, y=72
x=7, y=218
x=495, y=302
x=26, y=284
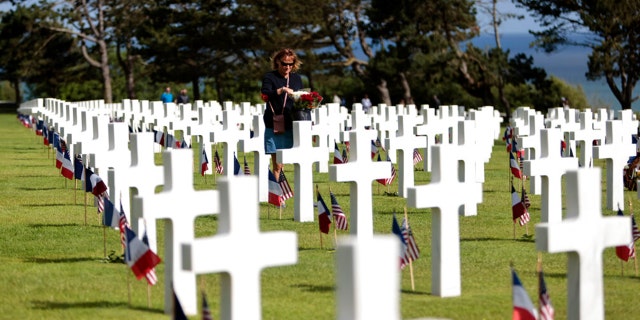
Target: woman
x=277, y=87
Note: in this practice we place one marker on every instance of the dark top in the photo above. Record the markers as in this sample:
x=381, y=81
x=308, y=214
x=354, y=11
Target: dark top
x=271, y=82
x=183, y=98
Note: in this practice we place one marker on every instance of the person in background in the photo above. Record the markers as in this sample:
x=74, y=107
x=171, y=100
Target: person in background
x=167, y=96
x=336, y=98
x=366, y=103
x=182, y=97
x=277, y=87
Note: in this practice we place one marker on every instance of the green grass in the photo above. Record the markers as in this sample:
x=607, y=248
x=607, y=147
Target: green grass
x=52, y=266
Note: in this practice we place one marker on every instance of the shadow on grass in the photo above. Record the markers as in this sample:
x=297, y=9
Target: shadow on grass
x=417, y=293
x=53, y=305
x=46, y=204
x=36, y=188
x=63, y=225
x=524, y=238
x=59, y=260
x=325, y=248
x=314, y=288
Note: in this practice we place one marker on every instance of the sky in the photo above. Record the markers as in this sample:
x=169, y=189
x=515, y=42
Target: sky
x=510, y=25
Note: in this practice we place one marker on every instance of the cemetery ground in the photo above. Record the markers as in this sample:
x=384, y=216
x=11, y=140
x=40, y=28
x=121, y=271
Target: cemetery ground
x=52, y=264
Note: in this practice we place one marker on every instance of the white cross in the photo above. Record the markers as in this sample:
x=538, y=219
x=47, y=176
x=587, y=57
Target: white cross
x=361, y=292
x=531, y=144
x=260, y=158
x=303, y=155
x=404, y=141
x=445, y=238
x=144, y=176
x=360, y=172
x=179, y=204
x=239, y=250
x=472, y=166
x=585, y=137
x=551, y=166
x=584, y=234
x=617, y=149
x=229, y=136
x=117, y=157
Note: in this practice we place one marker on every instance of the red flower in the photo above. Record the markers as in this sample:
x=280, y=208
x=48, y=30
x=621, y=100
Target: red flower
x=264, y=97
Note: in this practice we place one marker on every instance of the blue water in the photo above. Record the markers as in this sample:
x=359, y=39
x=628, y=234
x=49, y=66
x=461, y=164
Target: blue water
x=568, y=64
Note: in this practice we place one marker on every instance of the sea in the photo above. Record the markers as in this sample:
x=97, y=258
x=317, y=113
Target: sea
x=568, y=63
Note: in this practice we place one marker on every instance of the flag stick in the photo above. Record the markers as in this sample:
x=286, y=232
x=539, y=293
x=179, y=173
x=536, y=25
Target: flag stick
x=635, y=256
x=335, y=233
x=75, y=191
x=413, y=285
x=85, y=208
x=280, y=212
x=148, y=296
x=104, y=240
x=320, y=233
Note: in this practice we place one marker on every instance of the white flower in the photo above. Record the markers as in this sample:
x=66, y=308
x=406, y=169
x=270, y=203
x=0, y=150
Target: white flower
x=297, y=94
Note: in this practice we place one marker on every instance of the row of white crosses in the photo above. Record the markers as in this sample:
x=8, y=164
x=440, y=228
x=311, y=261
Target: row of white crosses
x=178, y=186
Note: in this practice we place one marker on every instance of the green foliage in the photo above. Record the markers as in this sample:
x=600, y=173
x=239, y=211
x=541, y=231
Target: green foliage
x=53, y=265
x=612, y=34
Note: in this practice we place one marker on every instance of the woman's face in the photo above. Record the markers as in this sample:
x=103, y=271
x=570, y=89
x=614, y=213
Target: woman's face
x=285, y=65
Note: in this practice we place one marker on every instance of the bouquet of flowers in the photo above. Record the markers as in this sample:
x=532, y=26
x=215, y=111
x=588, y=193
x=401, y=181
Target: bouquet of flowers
x=306, y=100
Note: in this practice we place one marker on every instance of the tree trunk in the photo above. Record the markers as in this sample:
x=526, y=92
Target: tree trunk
x=196, y=90
x=16, y=89
x=384, y=92
x=408, y=99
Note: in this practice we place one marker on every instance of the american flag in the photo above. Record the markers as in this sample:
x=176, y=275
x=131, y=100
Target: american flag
x=206, y=312
x=151, y=276
x=122, y=222
x=218, y=163
x=546, y=309
x=412, y=253
x=417, y=157
x=634, y=229
x=525, y=198
x=286, y=188
x=345, y=156
x=100, y=201
x=338, y=214
x=387, y=181
x=247, y=171
x=395, y=229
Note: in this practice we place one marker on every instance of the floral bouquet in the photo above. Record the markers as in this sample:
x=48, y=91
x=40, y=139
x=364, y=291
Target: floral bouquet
x=306, y=100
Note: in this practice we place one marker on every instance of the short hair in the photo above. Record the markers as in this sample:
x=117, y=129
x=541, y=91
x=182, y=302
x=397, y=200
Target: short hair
x=286, y=52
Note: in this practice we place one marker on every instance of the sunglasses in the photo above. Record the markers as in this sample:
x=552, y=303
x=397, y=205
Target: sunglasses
x=284, y=64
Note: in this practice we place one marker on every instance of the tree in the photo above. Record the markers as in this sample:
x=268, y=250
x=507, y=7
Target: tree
x=90, y=23
x=612, y=34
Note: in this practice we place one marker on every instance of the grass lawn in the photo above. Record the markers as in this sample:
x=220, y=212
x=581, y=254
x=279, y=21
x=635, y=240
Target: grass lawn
x=52, y=265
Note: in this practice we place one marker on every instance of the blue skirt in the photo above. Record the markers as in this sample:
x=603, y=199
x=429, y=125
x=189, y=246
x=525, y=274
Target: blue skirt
x=273, y=142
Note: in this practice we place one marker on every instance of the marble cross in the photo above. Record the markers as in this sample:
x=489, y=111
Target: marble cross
x=303, y=155
x=229, y=137
x=239, y=251
x=440, y=195
x=361, y=292
x=531, y=144
x=617, y=149
x=404, y=141
x=584, y=234
x=179, y=204
x=584, y=138
x=360, y=172
x=261, y=160
x=118, y=157
x=550, y=166
x=143, y=177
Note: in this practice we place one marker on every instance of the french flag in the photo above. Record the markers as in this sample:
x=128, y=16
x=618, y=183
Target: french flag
x=68, y=169
x=138, y=256
x=523, y=308
x=337, y=156
x=374, y=149
x=275, y=192
x=515, y=169
x=324, y=216
x=517, y=206
x=204, y=162
x=110, y=218
x=97, y=185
